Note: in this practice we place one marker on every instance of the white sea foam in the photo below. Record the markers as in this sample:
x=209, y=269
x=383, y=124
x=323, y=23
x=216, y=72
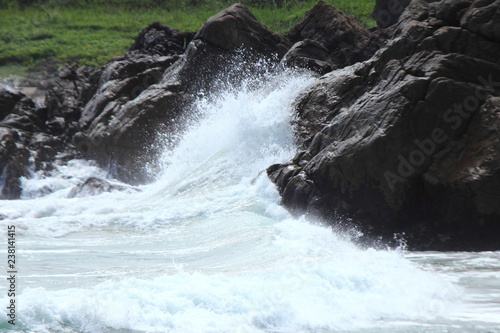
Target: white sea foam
x=62, y=177
x=207, y=247
x=298, y=277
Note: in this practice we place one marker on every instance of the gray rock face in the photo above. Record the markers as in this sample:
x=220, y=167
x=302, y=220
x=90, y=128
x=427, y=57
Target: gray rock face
x=408, y=141
x=19, y=139
x=310, y=55
x=115, y=129
x=347, y=41
x=14, y=159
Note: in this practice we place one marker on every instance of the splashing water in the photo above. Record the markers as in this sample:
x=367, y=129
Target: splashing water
x=208, y=248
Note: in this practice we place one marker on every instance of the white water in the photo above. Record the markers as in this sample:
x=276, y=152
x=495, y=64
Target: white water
x=208, y=248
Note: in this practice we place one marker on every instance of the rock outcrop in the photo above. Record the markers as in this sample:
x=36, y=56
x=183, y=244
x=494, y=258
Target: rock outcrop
x=33, y=135
x=237, y=27
x=14, y=159
x=114, y=128
x=20, y=121
x=159, y=39
x=114, y=114
x=408, y=142
x=141, y=95
x=347, y=40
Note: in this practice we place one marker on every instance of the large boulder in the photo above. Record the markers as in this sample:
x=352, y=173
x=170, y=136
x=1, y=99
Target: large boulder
x=237, y=27
x=157, y=38
x=347, y=40
x=408, y=142
x=143, y=98
x=68, y=92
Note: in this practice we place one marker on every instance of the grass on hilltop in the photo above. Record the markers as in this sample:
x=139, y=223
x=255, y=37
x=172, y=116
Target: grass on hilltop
x=90, y=32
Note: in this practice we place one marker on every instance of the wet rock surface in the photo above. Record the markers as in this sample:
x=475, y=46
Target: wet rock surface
x=140, y=95
x=408, y=142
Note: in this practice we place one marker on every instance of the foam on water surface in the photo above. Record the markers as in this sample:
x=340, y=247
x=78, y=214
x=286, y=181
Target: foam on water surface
x=285, y=276
x=208, y=248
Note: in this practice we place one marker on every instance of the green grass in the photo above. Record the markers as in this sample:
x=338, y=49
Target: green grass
x=282, y=19
x=12, y=70
x=90, y=32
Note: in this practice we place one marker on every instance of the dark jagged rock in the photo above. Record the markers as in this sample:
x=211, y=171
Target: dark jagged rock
x=8, y=100
x=14, y=160
x=32, y=134
x=159, y=39
x=94, y=186
x=347, y=41
x=124, y=79
x=119, y=124
x=310, y=55
x=408, y=142
x=141, y=96
x=21, y=119
x=68, y=93
x=82, y=101
x=237, y=27
x=113, y=113
x=19, y=112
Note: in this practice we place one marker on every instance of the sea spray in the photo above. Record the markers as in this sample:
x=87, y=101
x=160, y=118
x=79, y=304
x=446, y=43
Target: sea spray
x=207, y=247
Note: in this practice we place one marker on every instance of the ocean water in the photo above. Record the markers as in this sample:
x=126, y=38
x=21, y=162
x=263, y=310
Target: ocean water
x=208, y=248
